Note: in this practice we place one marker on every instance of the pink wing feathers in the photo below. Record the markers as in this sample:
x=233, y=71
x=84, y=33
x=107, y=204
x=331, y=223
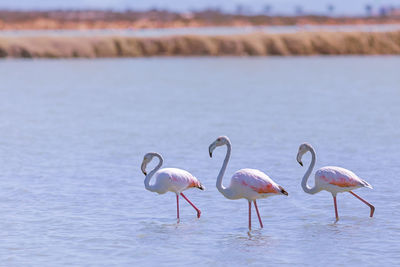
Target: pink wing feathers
x=340, y=177
x=257, y=181
x=182, y=178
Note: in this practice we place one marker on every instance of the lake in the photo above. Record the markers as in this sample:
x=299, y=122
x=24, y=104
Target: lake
x=73, y=134
x=222, y=30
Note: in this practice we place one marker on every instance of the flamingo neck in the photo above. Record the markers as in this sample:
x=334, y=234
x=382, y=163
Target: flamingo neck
x=147, y=185
x=306, y=188
x=221, y=188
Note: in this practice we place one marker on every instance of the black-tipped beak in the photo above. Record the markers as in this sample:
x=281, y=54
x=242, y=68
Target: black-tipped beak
x=283, y=191
x=145, y=173
x=301, y=163
x=211, y=149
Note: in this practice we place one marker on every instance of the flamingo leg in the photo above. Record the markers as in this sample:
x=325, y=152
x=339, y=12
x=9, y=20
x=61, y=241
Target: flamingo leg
x=258, y=214
x=249, y=215
x=365, y=202
x=198, y=211
x=177, y=207
x=336, y=212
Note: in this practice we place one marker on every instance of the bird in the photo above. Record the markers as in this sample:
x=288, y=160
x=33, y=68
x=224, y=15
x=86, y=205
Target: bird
x=169, y=180
x=332, y=179
x=250, y=184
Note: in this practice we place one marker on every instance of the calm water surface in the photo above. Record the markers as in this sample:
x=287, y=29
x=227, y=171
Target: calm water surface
x=206, y=30
x=73, y=134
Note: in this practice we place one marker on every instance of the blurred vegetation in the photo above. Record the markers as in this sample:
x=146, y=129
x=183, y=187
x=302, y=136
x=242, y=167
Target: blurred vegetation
x=92, y=19
x=260, y=44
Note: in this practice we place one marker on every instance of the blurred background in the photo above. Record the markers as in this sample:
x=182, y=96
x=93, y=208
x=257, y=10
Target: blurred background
x=88, y=87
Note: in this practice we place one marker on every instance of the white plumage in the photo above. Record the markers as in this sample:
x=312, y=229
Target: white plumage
x=174, y=180
x=250, y=184
x=332, y=179
x=170, y=180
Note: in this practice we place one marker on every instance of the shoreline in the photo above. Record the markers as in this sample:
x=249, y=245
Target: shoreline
x=255, y=44
x=45, y=24
x=92, y=19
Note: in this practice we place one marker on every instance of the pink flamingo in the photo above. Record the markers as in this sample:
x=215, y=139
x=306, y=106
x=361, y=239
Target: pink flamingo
x=170, y=179
x=250, y=184
x=332, y=179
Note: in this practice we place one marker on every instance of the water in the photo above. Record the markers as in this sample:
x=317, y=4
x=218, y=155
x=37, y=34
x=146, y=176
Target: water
x=206, y=30
x=73, y=134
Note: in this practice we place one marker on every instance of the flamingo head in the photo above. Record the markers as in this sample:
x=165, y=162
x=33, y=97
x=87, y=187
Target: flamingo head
x=220, y=141
x=302, y=150
x=146, y=159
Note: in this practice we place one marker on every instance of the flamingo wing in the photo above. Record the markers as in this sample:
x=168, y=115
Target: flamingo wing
x=180, y=179
x=257, y=181
x=340, y=177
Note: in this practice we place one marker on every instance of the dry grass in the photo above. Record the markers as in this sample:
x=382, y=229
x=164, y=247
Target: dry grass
x=306, y=43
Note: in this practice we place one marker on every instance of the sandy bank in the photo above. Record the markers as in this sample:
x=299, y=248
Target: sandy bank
x=305, y=43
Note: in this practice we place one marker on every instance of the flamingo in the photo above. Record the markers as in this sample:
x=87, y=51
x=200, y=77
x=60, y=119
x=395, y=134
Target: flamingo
x=332, y=179
x=170, y=179
x=250, y=184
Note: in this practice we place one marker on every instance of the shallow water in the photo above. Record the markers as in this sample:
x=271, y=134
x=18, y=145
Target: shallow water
x=73, y=134
x=206, y=30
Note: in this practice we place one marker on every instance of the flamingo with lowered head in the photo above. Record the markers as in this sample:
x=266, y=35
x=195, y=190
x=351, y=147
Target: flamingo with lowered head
x=170, y=179
x=332, y=179
x=250, y=184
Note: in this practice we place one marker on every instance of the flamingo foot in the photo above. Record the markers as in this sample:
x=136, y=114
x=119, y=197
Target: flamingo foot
x=197, y=210
x=372, y=211
x=366, y=203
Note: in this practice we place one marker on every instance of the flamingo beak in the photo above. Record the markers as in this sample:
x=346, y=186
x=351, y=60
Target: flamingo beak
x=298, y=158
x=143, y=168
x=211, y=149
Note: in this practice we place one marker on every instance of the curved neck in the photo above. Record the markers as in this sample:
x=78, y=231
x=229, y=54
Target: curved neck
x=150, y=174
x=304, y=185
x=222, y=189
